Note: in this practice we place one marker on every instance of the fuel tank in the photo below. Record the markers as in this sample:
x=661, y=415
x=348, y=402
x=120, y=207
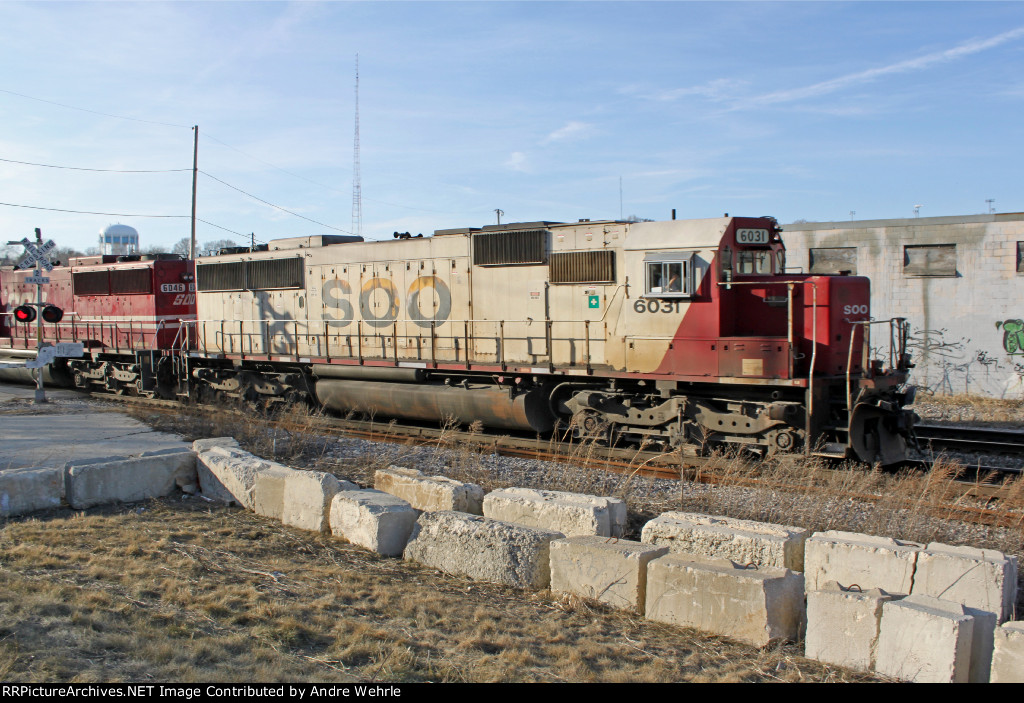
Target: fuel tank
x=492, y=406
x=55, y=374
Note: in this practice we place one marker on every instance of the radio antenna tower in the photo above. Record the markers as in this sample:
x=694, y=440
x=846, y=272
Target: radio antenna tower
x=357, y=186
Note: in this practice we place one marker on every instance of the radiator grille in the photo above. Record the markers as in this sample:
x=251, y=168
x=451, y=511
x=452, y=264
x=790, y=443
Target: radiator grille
x=250, y=275
x=505, y=248
x=229, y=276
x=583, y=267
x=131, y=282
x=91, y=283
x=275, y=273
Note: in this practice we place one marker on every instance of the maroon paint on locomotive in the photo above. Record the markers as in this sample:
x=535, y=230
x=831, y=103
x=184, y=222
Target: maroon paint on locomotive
x=742, y=330
x=109, y=306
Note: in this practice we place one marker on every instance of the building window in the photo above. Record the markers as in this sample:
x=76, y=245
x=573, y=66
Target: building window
x=929, y=260
x=833, y=260
x=1020, y=257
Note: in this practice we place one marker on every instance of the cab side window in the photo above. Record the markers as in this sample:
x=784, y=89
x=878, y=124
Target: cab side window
x=668, y=278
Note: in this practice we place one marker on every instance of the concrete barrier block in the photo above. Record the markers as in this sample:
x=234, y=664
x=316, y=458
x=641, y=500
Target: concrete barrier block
x=482, y=549
x=613, y=571
x=373, y=519
x=429, y=493
x=28, y=489
x=187, y=480
x=980, y=578
x=307, y=499
x=229, y=475
x=572, y=514
x=753, y=605
x=269, y=489
x=925, y=639
x=743, y=541
x=201, y=445
x=843, y=625
x=1008, y=655
x=128, y=479
x=867, y=561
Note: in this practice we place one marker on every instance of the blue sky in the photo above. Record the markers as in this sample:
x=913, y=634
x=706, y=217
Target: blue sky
x=797, y=110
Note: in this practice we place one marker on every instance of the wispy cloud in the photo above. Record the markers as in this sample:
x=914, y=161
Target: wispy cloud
x=718, y=89
x=571, y=131
x=517, y=162
x=917, y=64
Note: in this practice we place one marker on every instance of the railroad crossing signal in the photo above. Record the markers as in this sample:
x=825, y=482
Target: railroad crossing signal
x=46, y=355
x=25, y=313
x=37, y=255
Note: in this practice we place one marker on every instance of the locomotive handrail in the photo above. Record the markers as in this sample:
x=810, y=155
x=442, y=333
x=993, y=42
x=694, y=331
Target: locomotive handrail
x=260, y=338
x=895, y=323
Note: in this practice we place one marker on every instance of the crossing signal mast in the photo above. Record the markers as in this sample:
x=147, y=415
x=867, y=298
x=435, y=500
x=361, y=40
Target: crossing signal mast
x=37, y=257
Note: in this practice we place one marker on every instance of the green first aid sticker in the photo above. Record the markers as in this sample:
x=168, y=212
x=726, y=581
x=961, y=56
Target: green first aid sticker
x=593, y=301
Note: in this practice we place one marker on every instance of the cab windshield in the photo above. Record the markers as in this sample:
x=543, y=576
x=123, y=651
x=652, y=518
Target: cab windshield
x=754, y=262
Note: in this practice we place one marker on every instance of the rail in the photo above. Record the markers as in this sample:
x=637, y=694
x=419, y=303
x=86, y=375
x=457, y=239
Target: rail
x=569, y=343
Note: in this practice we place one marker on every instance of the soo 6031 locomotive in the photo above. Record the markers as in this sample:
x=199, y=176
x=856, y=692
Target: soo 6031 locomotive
x=667, y=333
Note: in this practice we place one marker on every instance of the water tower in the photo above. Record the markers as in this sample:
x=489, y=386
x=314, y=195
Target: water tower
x=119, y=239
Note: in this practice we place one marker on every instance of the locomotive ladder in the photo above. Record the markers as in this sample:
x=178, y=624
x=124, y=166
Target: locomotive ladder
x=180, y=359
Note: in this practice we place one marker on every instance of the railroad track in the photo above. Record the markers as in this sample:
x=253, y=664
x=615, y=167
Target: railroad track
x=673, y=465
x=981, y=440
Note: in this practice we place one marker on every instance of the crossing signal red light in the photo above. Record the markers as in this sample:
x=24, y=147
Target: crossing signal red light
x=24, y=313
x=51, y=313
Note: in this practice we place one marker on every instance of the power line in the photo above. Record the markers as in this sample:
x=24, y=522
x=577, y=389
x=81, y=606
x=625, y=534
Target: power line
x=104, y=170
x=266, y=202
x=88, y=212
x=94, y=112
x=205, y=222
x=267, y=163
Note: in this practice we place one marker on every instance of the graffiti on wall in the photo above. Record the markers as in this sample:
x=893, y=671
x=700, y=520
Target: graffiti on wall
x=947, y=364
x=1013, y=336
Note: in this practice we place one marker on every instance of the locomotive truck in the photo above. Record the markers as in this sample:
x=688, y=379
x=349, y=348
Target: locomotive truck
x=661, y=333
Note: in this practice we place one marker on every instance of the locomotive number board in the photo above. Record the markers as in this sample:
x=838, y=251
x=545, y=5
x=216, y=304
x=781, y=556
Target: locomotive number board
x=751, y=236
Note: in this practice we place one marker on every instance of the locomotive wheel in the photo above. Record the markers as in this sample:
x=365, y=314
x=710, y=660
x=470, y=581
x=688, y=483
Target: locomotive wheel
x=783, y=441
x=587, y=424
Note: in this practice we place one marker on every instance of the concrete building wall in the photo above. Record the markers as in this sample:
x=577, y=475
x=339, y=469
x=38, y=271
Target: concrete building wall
x=958, y=280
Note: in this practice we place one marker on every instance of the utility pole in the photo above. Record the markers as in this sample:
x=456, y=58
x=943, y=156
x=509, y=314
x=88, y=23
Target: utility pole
x=195, y=174
x=499, y=213
x=991, y=205
x=357, y=184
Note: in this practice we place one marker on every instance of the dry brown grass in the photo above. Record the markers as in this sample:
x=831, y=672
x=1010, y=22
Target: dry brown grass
x=175, y=590
x=414, y=624
x=809, y=493
x=975, y=409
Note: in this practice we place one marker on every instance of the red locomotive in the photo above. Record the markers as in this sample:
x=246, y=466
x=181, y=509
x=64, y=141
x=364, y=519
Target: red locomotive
x=125, y=310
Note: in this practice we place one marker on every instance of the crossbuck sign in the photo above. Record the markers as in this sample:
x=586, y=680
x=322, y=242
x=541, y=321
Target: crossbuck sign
x=36, y=255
